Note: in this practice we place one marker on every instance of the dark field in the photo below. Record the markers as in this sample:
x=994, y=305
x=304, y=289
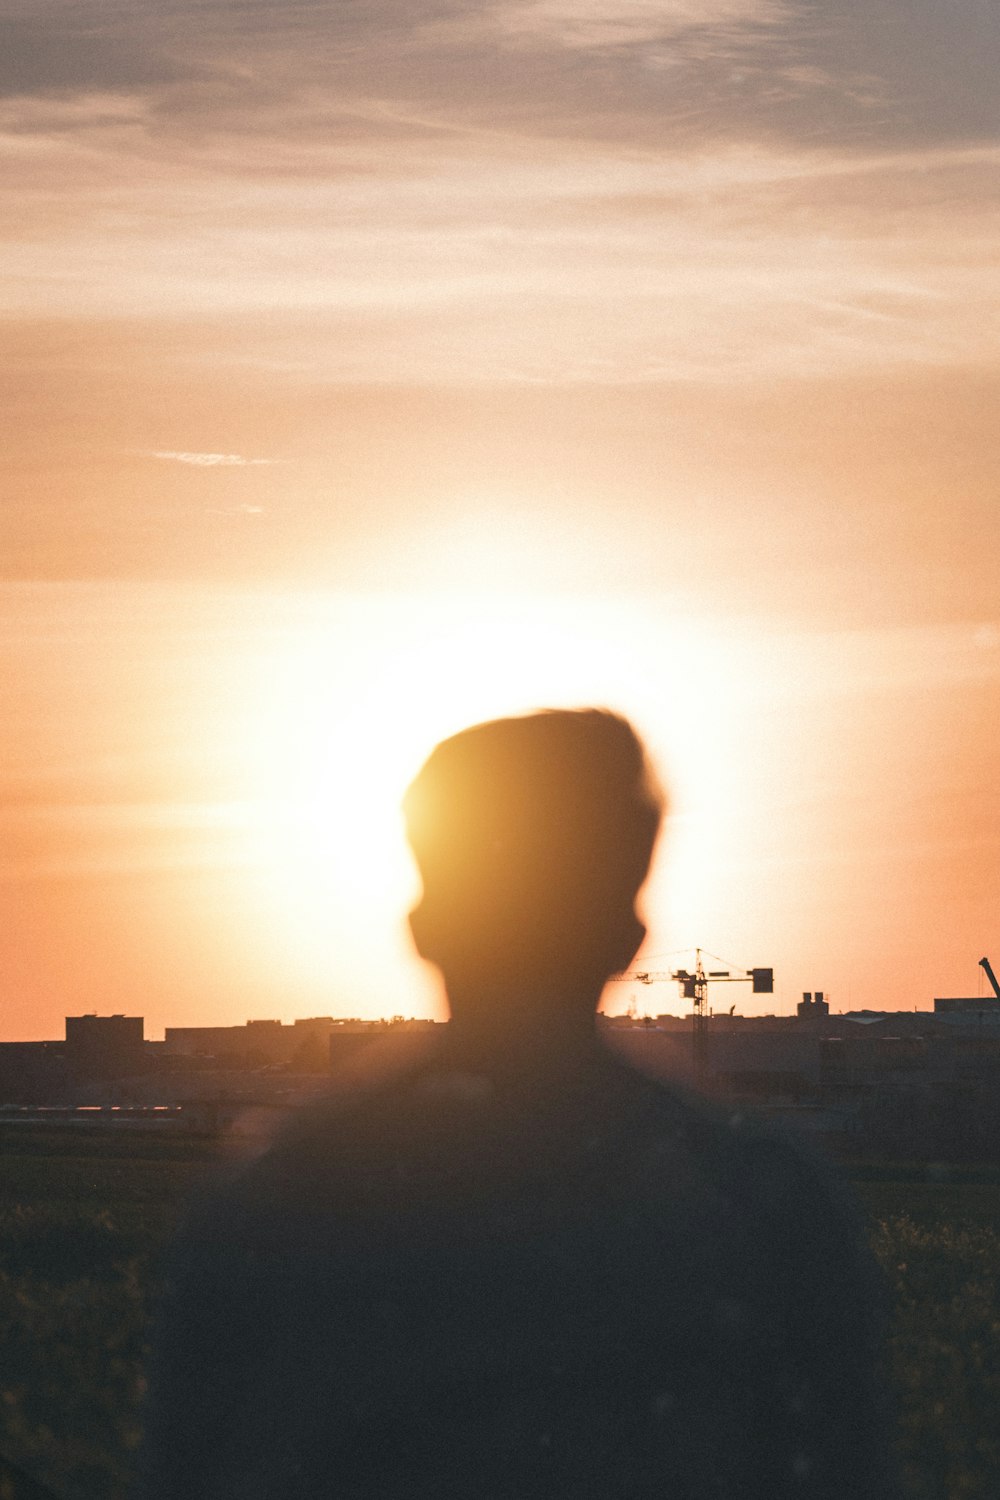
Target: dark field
x=84, y=1215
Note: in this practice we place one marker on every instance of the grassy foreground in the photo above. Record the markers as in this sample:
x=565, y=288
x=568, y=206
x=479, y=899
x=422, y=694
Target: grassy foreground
x=84, y=1216
x=937, y=1239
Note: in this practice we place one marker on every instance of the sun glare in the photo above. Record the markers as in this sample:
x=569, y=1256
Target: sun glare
x=354, y=704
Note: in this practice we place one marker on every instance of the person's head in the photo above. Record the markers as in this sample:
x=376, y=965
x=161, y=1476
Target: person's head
x=533, y=837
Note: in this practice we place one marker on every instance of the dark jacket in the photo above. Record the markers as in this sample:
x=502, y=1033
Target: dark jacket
x=571, y=1283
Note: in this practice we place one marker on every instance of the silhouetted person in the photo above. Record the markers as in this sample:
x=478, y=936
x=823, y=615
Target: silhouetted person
x=517, y=1268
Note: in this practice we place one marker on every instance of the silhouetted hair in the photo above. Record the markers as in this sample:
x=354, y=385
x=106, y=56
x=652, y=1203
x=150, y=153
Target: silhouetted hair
x=535, y=816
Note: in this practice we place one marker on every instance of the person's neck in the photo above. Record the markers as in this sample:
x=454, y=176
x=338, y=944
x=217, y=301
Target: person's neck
x=521, y=1027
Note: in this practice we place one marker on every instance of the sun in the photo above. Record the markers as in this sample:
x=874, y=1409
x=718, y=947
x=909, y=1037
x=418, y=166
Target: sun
x=353, y=701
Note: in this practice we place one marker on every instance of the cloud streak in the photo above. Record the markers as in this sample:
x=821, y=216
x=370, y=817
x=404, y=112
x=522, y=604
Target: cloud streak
x=603, y=24
x=209, y=460
x=536, y=190
x=464, y=258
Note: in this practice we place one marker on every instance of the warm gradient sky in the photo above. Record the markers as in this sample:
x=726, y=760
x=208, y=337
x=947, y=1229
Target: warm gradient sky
x=371, y=368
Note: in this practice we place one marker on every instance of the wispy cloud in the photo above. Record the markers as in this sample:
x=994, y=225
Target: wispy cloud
x=465, y=257
x=66, y=840
x=590, y=24
x=531, y=190
x=208, y=460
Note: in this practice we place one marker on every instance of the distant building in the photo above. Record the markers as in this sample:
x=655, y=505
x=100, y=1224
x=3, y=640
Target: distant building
x=104, y=1046
x=981, y=1010
x=32, y=1072
x=255, y=1044
x=811, y=1006
x=308, y=1044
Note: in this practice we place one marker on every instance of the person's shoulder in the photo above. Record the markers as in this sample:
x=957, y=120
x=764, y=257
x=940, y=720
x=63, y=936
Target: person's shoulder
x=657, y=1108
x=315, y=1158
x=764, y=1170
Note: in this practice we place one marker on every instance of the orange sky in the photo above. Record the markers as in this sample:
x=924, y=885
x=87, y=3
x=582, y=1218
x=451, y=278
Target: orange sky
x=371, y=369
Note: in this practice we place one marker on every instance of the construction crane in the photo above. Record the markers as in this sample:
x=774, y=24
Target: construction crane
x=694, y=987
x=985, y=964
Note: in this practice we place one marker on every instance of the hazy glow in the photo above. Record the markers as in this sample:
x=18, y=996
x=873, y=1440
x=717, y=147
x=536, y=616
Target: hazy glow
x=200, y=813
x=332, y=749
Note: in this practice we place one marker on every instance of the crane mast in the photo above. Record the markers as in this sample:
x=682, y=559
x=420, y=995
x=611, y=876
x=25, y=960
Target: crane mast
x=694, y=987
x=987, y=967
